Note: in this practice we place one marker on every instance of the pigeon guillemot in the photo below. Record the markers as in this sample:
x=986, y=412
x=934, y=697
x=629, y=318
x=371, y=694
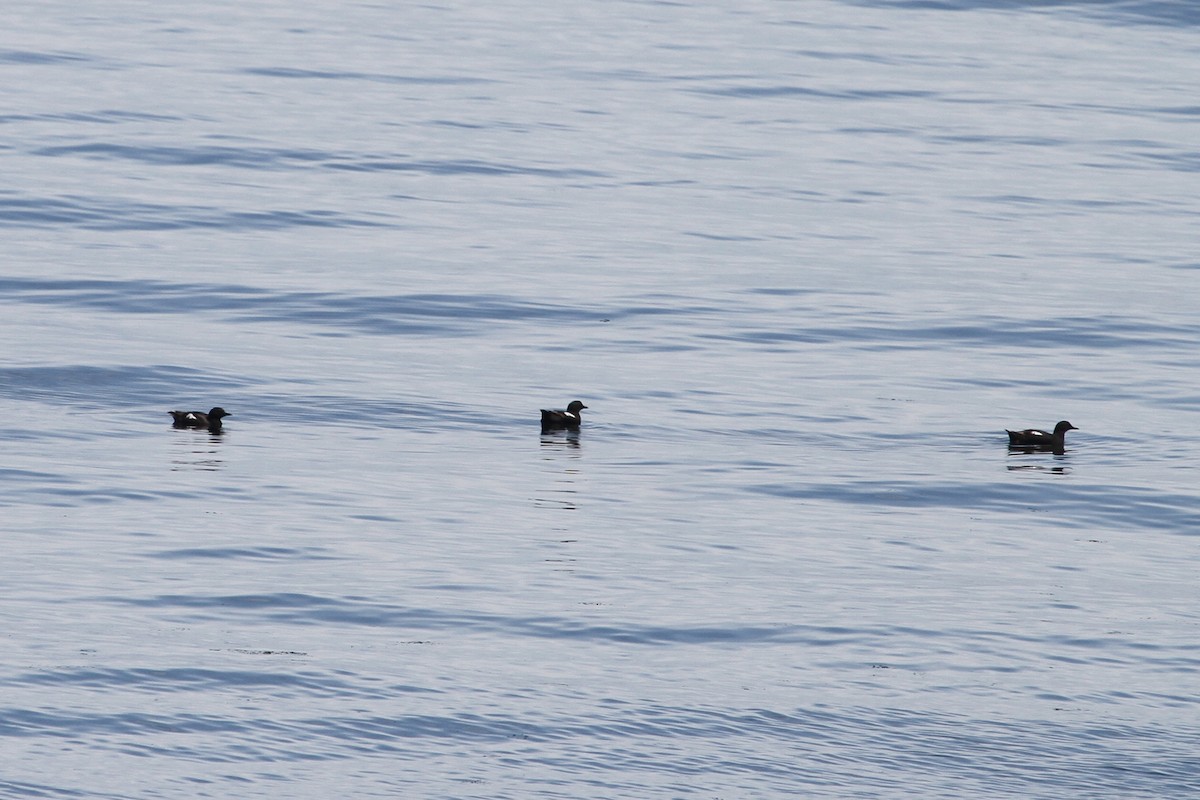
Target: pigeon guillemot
x=553, y=419
x=198, y=419
x=1032, y=437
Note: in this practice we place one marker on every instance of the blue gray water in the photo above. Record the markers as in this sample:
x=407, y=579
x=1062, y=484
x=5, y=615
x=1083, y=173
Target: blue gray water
x=804, y=262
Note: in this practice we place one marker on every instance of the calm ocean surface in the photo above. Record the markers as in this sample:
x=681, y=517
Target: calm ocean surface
x=804, y=262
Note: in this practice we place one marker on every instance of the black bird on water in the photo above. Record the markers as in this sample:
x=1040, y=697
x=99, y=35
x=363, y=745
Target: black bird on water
x=198, y=419
x=1042, y=440
x=557, y=419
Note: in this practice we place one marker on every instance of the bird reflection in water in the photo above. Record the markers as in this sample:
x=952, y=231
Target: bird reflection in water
x=1038, y=468
x=555, y=447
x=1029, y=450
x=198, y=452
x=561, y=440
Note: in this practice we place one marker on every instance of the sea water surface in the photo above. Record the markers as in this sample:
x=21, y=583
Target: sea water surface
x=803, y=261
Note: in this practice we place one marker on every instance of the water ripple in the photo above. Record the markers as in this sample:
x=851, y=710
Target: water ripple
x=258, y=158
x=108, y=387
x=818, y=751
x=374, y=77
x=257, y=553
x=446, y=314
x=1094, y=506
x=32, y=57
x=104, y=117
x=105, y=213
x=1120, y=12
x=240, y=157
x=24, y=789
x=295, y=608
x=459, y=167
x=804, y=91
x=305, y=609
x=193, y=679
x=898, y=332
